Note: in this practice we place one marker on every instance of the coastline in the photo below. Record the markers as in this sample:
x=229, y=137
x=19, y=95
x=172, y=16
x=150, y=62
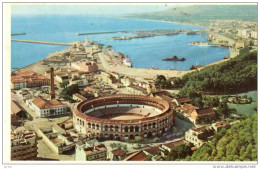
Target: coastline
x=105, y=59
x=181, y=23
x=37, y=66
x=134, y=72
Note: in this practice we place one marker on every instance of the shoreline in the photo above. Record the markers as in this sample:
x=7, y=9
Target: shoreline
x=37, y=66
x=181, y=23
x=104, y=59
x=151, y=73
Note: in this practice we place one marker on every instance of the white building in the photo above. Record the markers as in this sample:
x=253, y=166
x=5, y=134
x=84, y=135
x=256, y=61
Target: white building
x=126, y=81
x=46, y=108
x=79, y=82
x=254, y=34
x=87, y=152
x=198, y=136
x=244, y=33
x=86, y=43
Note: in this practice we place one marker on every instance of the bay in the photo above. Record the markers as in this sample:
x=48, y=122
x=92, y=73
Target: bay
x=143, y=52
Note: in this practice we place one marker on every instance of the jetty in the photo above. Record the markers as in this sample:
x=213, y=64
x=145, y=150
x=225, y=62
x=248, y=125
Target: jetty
x=17, y=34
x=93, y=33
x=42, y=42
x=157, y=32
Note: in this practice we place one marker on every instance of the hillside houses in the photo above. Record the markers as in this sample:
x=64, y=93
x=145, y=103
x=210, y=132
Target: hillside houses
x=154, y=153
x=192, y=113
x=200, y=135
x=202, y=115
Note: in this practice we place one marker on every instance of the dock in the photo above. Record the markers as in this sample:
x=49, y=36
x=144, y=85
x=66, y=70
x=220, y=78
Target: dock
x=158, y=32
x=17, y=34
x=94, y=33
x=42, y=42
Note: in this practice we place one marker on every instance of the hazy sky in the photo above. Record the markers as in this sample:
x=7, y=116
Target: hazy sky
x=81, y=9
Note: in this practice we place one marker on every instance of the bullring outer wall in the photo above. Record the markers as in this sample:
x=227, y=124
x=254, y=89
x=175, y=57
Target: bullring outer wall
x=123, y=129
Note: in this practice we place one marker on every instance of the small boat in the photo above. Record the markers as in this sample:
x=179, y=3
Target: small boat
x=227, y=57
x=155, y=68
x=195, y=67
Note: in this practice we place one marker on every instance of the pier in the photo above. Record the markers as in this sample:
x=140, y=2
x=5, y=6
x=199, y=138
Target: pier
x=42, y=42
x=93, y=33
x=17, y=34
x=158, y=32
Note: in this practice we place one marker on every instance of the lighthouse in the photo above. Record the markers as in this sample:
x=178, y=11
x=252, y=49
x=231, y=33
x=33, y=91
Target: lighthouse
x=87, y=44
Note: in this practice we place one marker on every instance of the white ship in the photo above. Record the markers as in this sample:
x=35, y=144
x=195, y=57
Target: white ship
x=127, y=62
x=203, y=44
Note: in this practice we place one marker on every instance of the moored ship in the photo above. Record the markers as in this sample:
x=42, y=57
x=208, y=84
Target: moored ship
x=174, y=58
x=203, y=44
x=127, y=62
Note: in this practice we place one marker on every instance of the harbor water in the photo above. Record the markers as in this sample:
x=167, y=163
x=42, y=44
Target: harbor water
x=143, y=52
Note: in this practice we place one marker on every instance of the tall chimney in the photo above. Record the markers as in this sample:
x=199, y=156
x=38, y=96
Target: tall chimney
x=52, y=92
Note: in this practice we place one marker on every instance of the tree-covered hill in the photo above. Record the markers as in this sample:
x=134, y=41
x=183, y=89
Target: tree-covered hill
x=239, y=143
x=202, y=13
x=239, y=74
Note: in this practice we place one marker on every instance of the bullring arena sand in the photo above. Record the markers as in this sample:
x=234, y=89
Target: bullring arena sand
x=123, y=113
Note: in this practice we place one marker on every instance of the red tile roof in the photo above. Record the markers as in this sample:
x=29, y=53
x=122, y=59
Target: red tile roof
x=28, y=76
x=119, y=152
x=16, y=107
x=46, y=104
x=136, y=156
x=205, y=111
x=189, y=106
x=183, y=100
x=173, y=144
x=202, y=129
x=153, y=150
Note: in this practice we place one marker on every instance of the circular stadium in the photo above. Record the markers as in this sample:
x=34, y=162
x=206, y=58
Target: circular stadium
x=123, y=117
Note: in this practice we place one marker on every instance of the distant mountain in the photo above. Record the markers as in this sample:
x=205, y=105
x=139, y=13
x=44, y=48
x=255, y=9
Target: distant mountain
x=202, y=13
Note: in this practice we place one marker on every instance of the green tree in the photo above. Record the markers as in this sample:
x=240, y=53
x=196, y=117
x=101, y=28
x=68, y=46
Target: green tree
x=196, y=99
x=70, y=90
x=233, y=144
x=179, y=152
x=64, y=84
x=239, y=74
x=223, y=109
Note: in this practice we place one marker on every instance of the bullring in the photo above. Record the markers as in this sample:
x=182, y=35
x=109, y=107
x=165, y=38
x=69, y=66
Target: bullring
x=123, y=117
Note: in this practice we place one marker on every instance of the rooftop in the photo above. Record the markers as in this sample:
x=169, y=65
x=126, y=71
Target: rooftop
x=46, y=104
x=16, y=107
x=174, y=144
x=119, y=152
x=28, y=76
x=205, y=111
x=189, y=106
x=183, y=100
x=199, y=129
x=92, y=149
x=136, y=156
x=138, y=88
x=153, y=150
x=80, y=96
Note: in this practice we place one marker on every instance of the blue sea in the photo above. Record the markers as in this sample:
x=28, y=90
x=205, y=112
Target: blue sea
x=143, y=52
